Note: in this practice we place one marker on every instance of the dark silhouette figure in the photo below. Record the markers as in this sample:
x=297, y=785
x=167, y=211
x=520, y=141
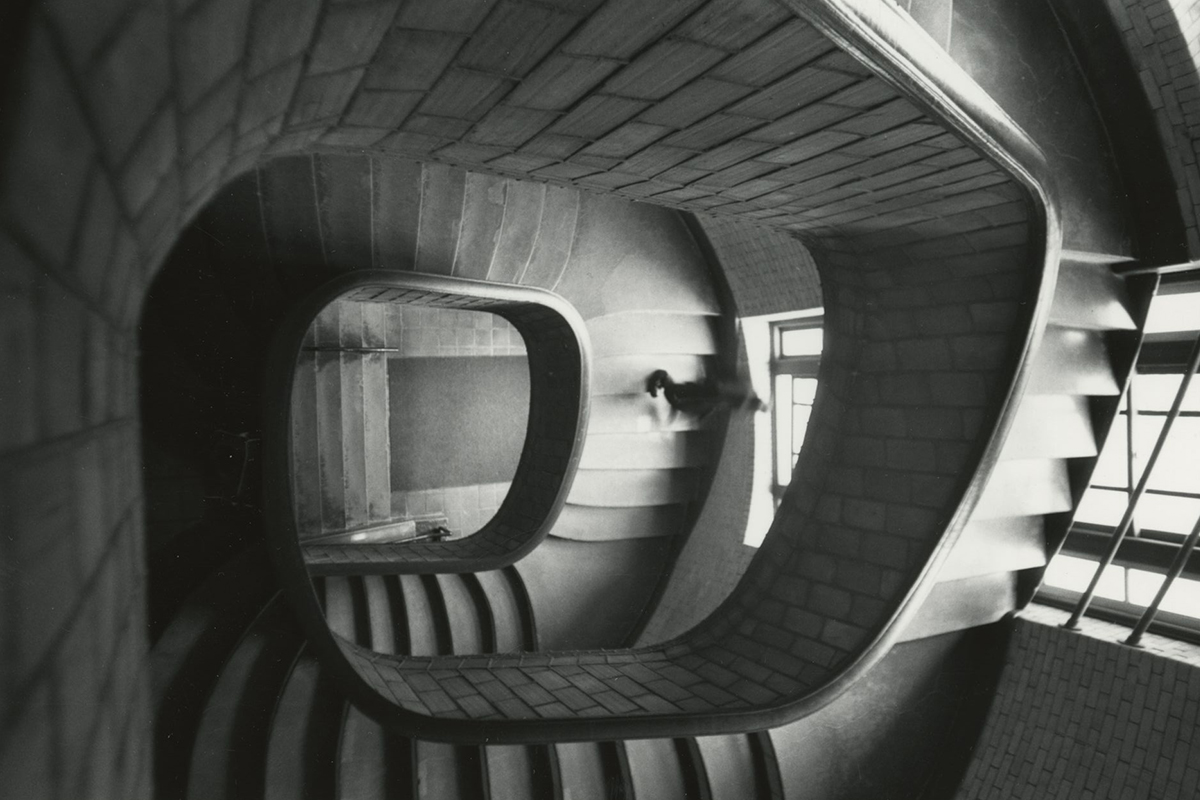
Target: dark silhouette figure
x=703, y=397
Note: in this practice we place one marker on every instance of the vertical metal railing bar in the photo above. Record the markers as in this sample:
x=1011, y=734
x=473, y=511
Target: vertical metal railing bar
x=1181, y=559
x=1131, y=430
x=1122, y=529
x=1131, y=460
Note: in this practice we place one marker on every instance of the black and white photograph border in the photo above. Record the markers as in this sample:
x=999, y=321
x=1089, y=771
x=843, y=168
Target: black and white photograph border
x=592, y=399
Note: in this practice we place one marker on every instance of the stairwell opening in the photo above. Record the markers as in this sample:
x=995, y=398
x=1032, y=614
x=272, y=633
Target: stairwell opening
x=407, y=422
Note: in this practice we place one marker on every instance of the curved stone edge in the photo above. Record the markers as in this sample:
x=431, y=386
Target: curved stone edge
x=559, y=355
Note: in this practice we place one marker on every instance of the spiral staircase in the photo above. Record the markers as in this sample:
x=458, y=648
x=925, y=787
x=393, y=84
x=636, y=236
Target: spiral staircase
x=245, y=708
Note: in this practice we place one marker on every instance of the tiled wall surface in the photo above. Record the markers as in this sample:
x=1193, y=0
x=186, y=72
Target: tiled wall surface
x=429, y=332
x=1163, y=39
x=1077, y=716
x=768, y=271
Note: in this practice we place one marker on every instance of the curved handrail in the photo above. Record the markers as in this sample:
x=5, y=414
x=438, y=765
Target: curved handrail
x=409, y=693
x=904, y=54
x=558, y=352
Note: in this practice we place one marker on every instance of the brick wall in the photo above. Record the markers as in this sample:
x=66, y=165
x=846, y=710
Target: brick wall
x=1080, y=716
x=1163, y=39
x=768, y=271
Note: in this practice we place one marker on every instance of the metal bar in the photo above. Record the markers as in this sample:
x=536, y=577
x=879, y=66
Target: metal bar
x=1123, y=528
x=1181, y=559
x=1161, y=492
x=1136, y=268
x=339, y=349
x=1131, y=454
x=1185, y=413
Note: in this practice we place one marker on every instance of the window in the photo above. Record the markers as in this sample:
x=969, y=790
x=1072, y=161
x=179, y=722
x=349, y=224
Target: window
x=795, y=355
x=780, y=349
x=1171, y=505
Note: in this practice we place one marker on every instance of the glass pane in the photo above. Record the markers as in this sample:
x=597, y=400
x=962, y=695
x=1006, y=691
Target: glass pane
x=1111, y=469
x=1074, y=574
x=1174, y=312
x=804, y=390
x=1182, y=598
x=783, y=429
x=1102, y=507
x=801, y=342
x=1178, y=466
x=1168, y=514
x=1157, y=392
x=800, y=416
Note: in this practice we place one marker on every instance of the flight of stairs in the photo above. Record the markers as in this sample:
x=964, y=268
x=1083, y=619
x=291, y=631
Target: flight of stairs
x=1077, y=375
x=244, y=711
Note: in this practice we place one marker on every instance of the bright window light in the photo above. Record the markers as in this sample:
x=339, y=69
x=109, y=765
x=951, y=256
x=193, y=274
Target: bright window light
x=1182, y=598
x=782, y=403
x=1174, y=312
x=1157, y=392
x=1074, y=574
x=1167, y=513
x=1102, y=506
x=801, y=342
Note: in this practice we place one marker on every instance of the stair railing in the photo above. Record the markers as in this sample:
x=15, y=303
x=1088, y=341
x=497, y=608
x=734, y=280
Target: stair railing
x=730, y=673
x=1122, y=530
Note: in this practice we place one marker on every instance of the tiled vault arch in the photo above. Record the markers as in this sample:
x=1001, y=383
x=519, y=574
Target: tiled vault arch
x=122, y=120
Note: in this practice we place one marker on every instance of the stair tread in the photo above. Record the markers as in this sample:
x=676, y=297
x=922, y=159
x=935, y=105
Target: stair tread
x=289, y=730
x=638, y=413
x=655, y=450
x=208, y=624
x=339, y=607
x=448, y=772
x=362, y=757
x=1024, y=487
x=1051, y=426
x=628, y=256
x=232, y=736
x=422, y=632
x=552, y=245
x=509, y=771
x=599, y=524
x=466, y=621
x=581, y=766
x=961, y=604
x=505, y=611
x=729, y=765
x=379, y=616
x=626, y=374
x=1090, y=295
x=633, y=487
x=655, y=770
x=1005, y=544
x=1072, y=361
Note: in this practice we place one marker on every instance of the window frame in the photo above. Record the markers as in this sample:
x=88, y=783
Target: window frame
x=801, y=366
